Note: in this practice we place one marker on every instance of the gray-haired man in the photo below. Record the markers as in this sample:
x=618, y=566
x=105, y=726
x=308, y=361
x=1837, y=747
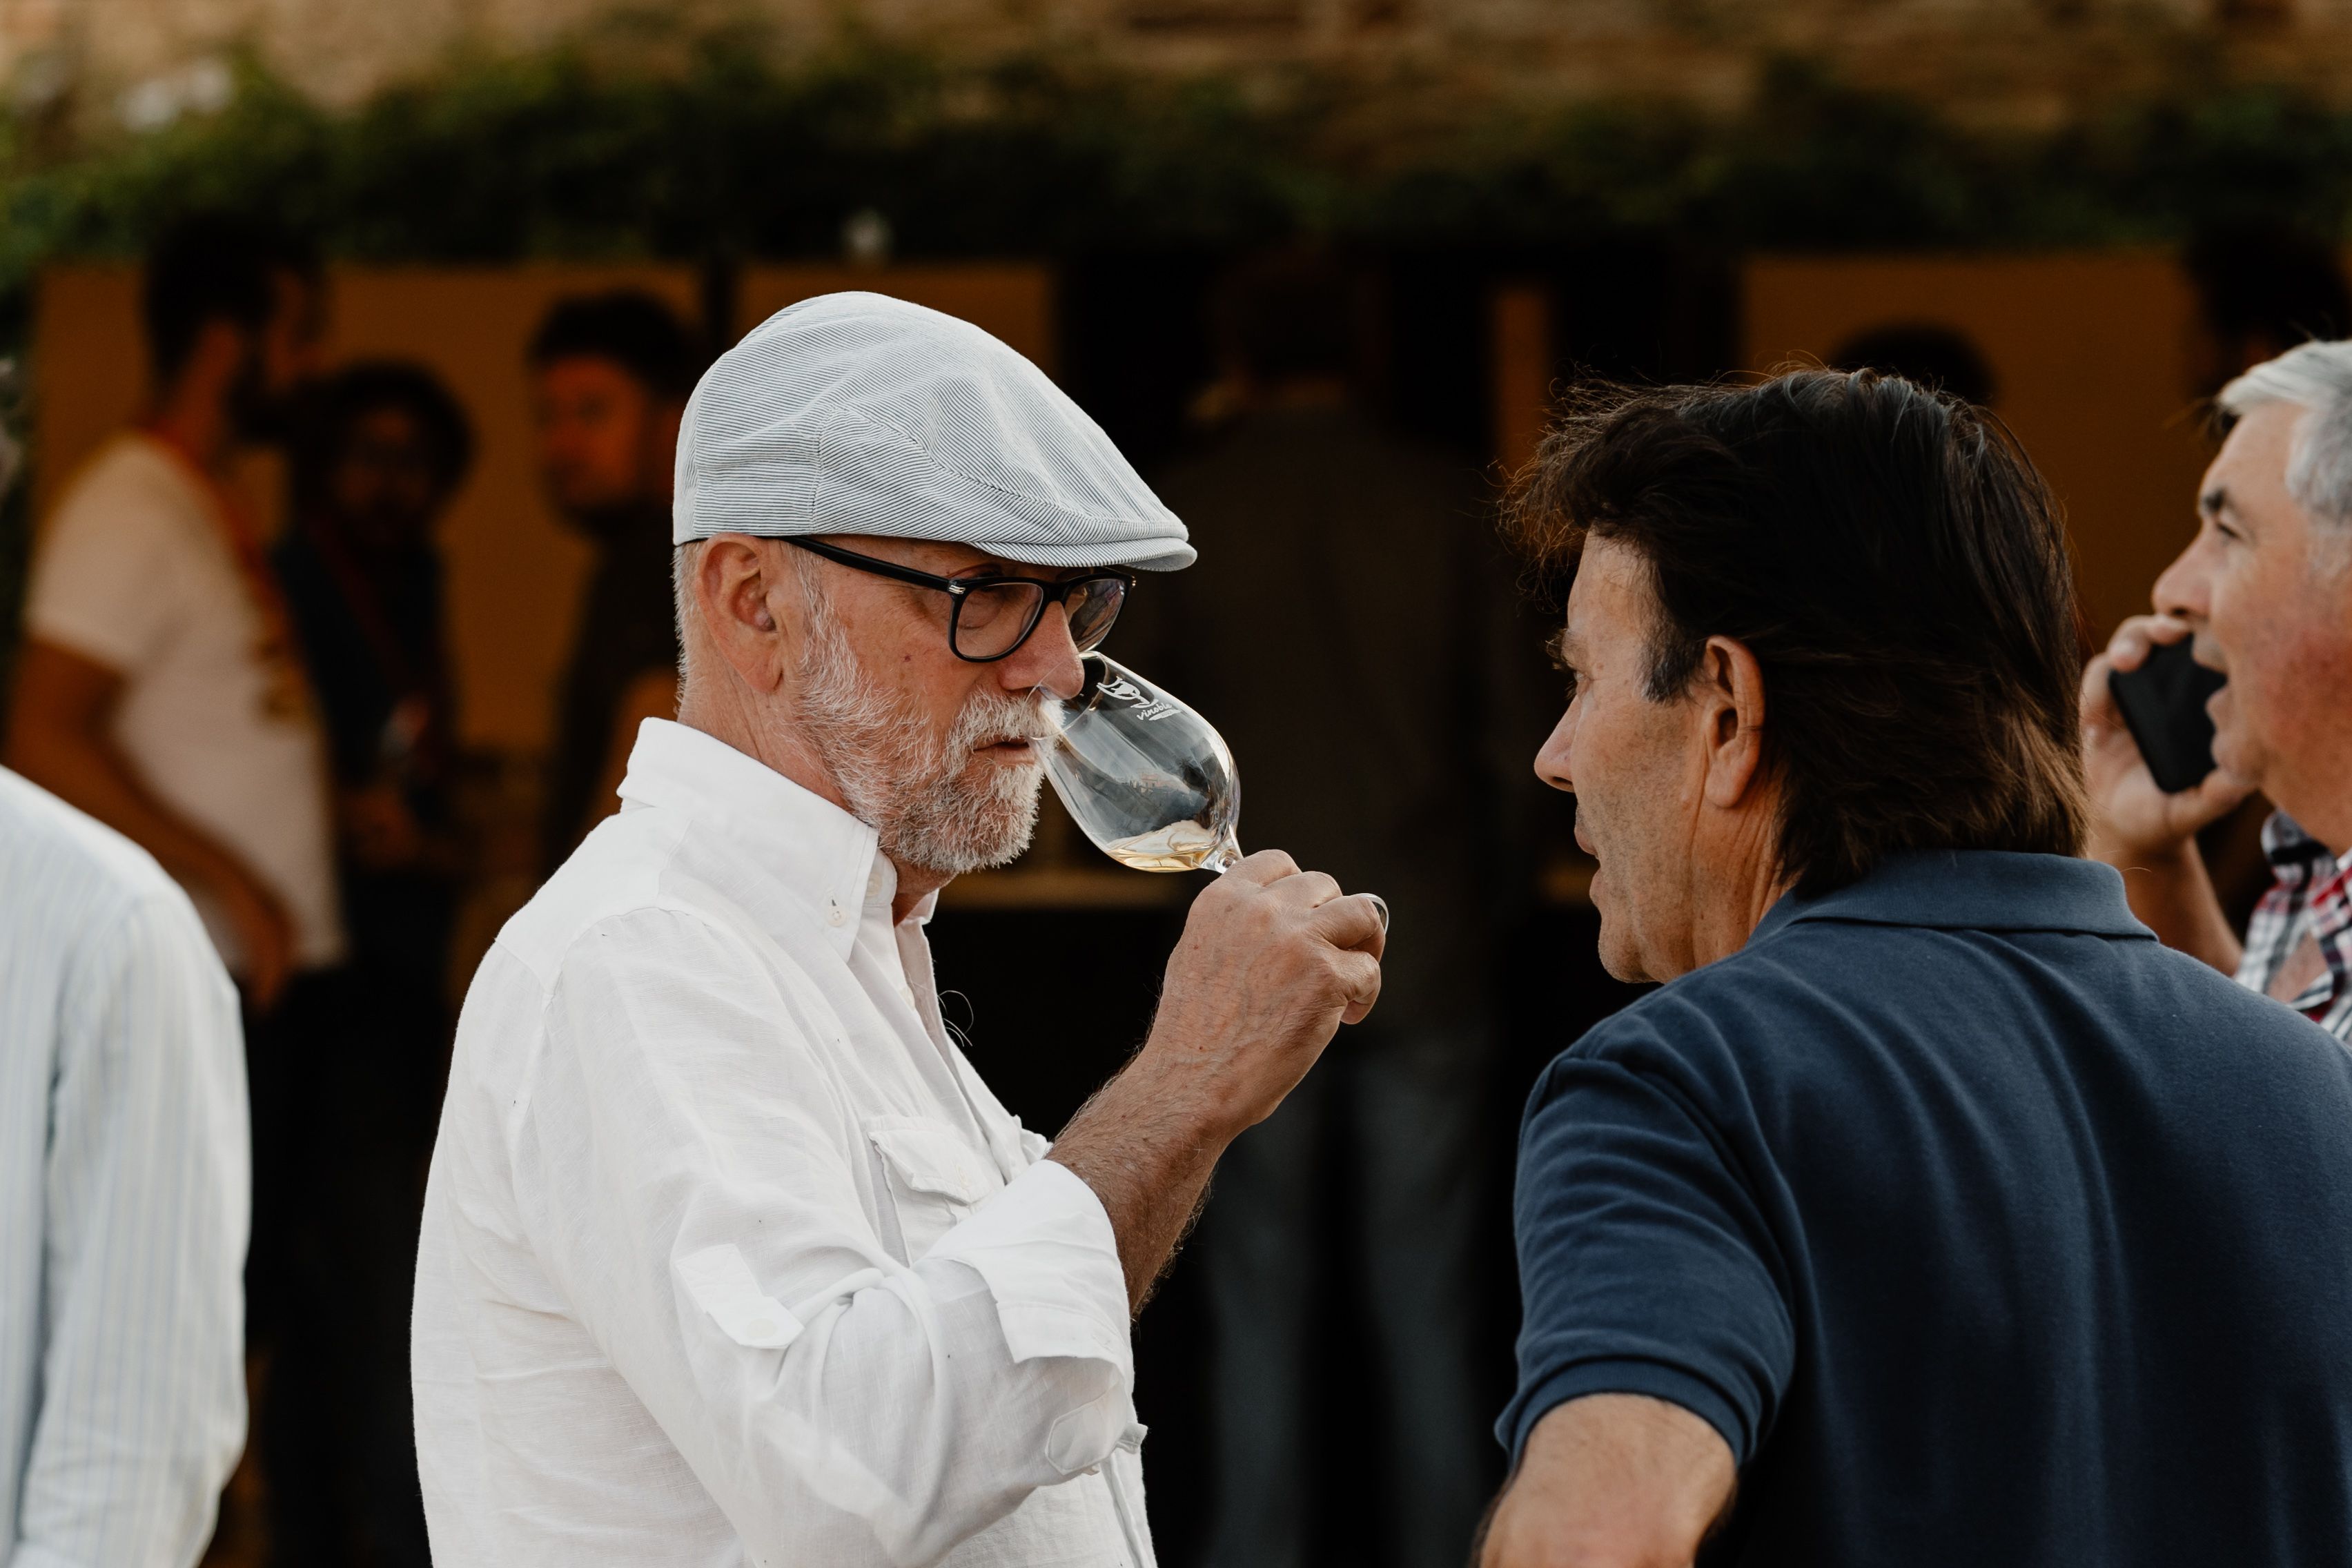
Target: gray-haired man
x=728, y=1254
x=2265, y=589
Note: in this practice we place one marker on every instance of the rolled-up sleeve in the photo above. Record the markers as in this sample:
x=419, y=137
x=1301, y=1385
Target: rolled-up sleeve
x=691, y=1172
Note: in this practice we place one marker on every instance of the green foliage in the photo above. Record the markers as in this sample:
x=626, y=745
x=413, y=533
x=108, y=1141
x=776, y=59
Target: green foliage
x=718, y=148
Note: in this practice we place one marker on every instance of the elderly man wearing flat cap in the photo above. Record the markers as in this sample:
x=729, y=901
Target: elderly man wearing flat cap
x=729, y=1255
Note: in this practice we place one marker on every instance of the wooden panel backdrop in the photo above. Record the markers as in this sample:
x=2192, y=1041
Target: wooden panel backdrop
x=2089, y=356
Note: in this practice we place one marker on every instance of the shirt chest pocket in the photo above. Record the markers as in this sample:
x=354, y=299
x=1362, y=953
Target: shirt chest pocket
x=932, y=1178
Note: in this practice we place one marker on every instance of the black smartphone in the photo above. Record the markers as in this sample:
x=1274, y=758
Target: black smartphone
x=2163, y=702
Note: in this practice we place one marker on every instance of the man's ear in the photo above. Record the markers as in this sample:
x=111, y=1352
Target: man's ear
x=1730, y=694
x=734, y=586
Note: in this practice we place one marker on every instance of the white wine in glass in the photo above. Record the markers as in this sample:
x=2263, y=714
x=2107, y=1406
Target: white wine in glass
x=1144, y=776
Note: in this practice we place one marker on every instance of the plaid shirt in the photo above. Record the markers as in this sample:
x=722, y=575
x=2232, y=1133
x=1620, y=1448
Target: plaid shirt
x=2312, y=893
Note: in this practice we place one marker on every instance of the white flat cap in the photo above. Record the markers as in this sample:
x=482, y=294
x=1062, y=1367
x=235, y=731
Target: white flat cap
x=860, y=414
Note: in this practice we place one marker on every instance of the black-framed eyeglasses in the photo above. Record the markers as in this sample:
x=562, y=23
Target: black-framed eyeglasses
x=989, y=617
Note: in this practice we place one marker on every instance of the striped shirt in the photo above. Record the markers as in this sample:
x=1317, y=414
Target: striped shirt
x=123, y=1201
x=2312, y=895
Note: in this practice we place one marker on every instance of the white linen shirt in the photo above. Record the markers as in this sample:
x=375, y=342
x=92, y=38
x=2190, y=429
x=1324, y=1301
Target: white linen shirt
x=729, y=1257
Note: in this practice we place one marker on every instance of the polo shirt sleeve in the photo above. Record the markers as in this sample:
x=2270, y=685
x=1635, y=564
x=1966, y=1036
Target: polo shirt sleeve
x=108, y=579
x=1645, y=1265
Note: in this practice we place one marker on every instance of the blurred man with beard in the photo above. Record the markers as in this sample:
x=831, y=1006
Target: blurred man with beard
x=161, y=688
x=609, y=378
x=728, y=1254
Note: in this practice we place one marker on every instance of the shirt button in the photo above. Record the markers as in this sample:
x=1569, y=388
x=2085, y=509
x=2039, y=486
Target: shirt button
x=874, y=883
x=835, y=917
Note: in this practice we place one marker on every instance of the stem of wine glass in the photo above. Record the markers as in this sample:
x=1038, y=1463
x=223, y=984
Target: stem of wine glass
x=1231, y=851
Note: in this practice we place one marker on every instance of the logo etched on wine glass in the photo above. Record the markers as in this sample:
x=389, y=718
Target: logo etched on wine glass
x=1145, y=777
x=1147, y=707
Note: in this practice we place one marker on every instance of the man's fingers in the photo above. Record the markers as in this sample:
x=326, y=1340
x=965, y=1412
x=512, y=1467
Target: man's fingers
x=1306, y=890
x=1356, y=923
x=1360, y=975
x=2100, y=713
x=2142, y=634
x=2212, y=798
x=1266, y=867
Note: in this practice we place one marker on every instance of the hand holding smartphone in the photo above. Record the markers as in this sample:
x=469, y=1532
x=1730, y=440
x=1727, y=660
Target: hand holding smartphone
x=2163, y=705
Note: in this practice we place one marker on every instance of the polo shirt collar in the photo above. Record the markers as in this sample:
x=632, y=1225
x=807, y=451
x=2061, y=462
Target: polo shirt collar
x=752, y=829
x=1973, y=890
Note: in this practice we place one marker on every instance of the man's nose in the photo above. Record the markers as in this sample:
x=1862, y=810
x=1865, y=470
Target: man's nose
x=1048, y=661
x=2184, y=589
x=1551, y=760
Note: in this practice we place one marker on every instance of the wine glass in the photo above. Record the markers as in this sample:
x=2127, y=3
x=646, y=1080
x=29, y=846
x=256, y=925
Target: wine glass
x=1144, y=776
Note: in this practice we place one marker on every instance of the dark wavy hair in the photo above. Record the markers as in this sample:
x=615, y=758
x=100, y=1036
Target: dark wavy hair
x=212, y=267
x=1896, y=565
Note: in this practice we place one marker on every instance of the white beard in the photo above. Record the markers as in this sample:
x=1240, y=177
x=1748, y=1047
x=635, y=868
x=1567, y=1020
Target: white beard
x=935, y=804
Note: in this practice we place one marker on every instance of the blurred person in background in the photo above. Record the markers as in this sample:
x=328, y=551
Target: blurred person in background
x=2261, y=288
x=1351, y=629
x=378, y=450
x=161, y=688
x=2264, y=591
x=1928, y=353
x=1929, y=1211
x=610, y=375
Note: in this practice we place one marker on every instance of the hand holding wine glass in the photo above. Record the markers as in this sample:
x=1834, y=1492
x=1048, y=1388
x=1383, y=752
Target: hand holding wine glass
x=1145, y=777
x=1272, y=961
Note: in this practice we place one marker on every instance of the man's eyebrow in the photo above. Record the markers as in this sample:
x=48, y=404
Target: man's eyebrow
x=2215, y=501
x=1564, y=648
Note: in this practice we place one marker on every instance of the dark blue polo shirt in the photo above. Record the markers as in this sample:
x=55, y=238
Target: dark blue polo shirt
x=1984, y=1228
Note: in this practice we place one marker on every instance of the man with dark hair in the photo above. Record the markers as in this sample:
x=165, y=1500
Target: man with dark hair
x=1932, y=1212
x=161, y=688
x=610, y=378
x=216, y=268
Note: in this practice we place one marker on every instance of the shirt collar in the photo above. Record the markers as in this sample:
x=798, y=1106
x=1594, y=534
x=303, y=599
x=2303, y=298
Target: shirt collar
x=2295, y=857
x=882, y=886
x=750, y=821
x=1973, y=890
